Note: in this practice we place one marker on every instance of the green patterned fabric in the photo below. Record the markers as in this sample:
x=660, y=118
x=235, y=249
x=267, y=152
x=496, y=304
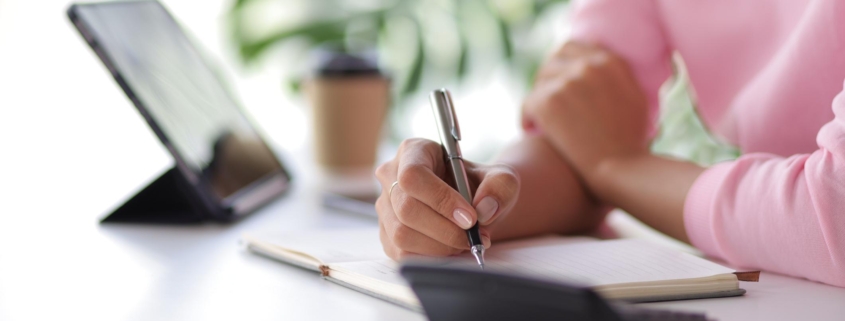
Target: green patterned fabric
x=682, y=134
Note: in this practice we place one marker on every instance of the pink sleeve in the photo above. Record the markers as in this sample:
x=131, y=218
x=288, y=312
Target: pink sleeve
x=784, y=215
x=633, y=30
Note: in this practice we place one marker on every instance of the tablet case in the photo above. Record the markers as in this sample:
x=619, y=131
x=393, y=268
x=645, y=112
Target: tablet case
x=165, y=201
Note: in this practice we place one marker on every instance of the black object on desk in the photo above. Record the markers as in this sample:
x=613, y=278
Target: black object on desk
x=223, y=168
x=453, y=293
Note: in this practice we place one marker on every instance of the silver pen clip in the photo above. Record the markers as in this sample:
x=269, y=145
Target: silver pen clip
x=453, y=120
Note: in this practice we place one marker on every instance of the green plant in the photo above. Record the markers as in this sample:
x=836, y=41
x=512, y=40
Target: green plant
x=682, y=133
x=441, y=40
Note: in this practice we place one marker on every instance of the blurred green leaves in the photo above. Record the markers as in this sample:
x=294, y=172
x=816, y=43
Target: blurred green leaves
x=442, y=40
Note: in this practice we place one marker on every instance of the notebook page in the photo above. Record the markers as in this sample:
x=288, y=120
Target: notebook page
x=385, y=270
x=591, y=263
x=605, y=262
x=377, y=278
x=328, y=246
x=581, y=260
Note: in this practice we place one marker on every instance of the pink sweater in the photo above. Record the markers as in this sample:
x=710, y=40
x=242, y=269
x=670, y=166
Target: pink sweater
x=769, y=78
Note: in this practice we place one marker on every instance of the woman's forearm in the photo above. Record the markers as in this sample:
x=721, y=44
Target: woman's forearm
x=552, y=199
x=651, y=188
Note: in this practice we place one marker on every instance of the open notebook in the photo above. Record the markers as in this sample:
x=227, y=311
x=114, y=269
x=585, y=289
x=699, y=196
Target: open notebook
x=627, y=269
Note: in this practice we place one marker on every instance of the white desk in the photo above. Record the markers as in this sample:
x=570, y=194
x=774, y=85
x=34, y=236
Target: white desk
x=120, y=272
x=71, y=146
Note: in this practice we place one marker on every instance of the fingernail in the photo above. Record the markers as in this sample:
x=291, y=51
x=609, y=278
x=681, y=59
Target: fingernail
x=462, y=218
x=486, y=209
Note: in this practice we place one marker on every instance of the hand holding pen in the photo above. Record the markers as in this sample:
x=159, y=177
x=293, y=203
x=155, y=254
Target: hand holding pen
x=420, y=213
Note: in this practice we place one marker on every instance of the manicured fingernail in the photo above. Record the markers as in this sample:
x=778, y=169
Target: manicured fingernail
x=462, y=218
x=486, y=209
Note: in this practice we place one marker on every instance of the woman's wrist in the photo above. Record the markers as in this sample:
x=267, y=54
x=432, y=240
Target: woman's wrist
x=652, y=188
x=603, y=177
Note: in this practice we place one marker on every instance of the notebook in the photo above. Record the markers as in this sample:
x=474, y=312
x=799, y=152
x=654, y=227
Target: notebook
x=625, y=269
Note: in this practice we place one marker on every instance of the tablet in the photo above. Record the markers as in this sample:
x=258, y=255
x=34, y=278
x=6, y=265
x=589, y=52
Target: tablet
x=226, y=166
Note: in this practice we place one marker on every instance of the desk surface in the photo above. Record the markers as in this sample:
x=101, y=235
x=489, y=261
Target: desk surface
x=73, y=147
x=121, y=272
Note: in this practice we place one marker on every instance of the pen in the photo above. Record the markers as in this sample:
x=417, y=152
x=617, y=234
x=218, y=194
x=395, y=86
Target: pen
x=450, y=134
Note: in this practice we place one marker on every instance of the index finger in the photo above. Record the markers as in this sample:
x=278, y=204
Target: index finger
x=417, y=178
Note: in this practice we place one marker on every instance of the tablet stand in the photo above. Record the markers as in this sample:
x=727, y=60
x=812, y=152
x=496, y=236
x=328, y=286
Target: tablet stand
x=164, y=201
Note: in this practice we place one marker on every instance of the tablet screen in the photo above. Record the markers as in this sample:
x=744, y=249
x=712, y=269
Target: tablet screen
x=186, y=100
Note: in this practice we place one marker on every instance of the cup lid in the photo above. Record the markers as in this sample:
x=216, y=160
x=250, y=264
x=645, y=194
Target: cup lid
x=341, y=64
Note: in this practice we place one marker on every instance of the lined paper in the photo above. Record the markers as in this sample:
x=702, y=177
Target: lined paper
x=591, y=263
x=328, y=246
x=580, y=260
x=383, y=270
x=605, y=262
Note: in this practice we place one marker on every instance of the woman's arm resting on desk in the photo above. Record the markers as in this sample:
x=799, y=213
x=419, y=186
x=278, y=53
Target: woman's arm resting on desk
x=530, y=190
x=551, y=199
x=761, y=211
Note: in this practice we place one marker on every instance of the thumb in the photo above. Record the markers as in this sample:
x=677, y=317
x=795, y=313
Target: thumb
x=497, y=193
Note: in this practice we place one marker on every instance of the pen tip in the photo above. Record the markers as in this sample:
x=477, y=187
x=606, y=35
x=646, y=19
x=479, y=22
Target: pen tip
x=478, y=253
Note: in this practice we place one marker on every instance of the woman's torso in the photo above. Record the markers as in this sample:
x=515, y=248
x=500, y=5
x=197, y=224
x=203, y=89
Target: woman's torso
x=765, y=72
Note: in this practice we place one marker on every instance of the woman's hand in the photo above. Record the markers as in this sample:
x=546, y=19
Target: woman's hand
x=590, y=107
x=588, y=104
x=424, y=215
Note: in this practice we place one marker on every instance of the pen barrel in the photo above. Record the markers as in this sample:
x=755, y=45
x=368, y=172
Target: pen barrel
x=473, y=235
x=456, y=165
